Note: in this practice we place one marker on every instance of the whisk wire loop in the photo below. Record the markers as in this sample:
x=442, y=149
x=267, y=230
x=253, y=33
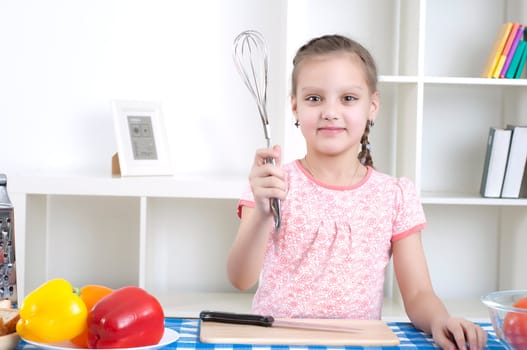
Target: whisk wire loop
x=251, y=60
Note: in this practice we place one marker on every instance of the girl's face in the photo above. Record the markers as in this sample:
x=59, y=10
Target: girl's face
x=332, y=103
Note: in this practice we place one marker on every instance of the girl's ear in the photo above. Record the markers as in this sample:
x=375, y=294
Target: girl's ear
x=374, y=107
x=294, y=106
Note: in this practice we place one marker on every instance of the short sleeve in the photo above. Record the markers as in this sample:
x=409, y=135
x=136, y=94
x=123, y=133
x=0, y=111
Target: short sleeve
x=246, y=199
x=409, y=215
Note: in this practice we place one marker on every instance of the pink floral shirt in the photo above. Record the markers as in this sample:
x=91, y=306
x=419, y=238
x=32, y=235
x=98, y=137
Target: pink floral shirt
x=329, y=258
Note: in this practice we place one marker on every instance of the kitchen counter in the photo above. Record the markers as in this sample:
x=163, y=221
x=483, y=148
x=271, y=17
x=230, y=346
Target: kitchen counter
x=410, y=338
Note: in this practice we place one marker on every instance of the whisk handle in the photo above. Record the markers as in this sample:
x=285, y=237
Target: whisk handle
x=277, y=212
x=275, y=205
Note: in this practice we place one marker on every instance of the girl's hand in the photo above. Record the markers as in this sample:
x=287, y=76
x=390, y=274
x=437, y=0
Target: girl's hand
x=267, y=180
x=458, y=333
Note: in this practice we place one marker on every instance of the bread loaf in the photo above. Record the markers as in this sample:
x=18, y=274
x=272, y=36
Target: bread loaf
x=8, y=320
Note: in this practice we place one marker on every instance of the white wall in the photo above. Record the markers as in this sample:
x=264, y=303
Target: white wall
x=63, y=61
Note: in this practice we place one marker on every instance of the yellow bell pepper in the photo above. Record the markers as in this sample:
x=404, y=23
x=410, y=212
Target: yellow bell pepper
x=52, y=313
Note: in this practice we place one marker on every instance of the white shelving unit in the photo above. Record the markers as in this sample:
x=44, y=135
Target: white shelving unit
x=171, y=235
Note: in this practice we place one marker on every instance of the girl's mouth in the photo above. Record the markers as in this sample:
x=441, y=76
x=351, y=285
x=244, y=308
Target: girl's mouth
x=330, y=130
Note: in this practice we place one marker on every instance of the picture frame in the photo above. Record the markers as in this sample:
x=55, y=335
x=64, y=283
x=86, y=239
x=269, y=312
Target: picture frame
x=142, y=144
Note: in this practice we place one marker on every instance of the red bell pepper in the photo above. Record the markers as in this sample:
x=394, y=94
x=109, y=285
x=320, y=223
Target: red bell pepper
x=128, y=317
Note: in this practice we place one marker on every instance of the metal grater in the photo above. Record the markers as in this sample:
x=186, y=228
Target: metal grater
x=7, y=245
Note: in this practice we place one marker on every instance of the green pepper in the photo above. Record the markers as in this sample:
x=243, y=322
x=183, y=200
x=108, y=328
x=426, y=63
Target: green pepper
x=52, y=313
x=128, y=317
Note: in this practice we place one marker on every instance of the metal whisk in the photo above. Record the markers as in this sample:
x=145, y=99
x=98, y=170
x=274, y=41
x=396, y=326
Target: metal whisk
x=250, y=57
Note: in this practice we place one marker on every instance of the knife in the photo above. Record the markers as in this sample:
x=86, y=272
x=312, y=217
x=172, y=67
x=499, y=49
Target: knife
x=270, y=321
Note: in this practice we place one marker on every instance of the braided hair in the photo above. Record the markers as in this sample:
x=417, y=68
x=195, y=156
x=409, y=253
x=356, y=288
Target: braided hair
x=365, y=148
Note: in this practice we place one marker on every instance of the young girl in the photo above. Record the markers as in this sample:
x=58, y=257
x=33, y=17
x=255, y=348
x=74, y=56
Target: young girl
x=341, y=219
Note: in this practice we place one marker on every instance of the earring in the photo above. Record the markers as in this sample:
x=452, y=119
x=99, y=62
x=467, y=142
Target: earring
x=371, y=123
x=297, y=123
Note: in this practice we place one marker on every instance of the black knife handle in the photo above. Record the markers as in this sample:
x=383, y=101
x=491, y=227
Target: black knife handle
x=230, y=317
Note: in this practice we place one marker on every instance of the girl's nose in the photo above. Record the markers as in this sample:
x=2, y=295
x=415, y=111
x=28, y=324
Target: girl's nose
x=330, y=110
x=330, y=116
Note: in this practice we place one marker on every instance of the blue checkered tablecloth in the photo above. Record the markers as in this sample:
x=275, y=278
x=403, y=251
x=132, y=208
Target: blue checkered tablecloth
x=409, y=336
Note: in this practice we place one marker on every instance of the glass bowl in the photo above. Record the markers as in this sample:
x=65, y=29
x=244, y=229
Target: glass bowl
x=509, y=322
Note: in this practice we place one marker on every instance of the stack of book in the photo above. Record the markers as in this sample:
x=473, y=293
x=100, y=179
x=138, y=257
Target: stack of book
x=504, y=171
x=508, y=54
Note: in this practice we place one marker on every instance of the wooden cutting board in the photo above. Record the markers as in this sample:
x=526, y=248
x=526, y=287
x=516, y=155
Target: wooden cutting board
x=374, y=333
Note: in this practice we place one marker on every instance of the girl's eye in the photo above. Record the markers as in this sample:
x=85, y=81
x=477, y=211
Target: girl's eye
x=349, y=98
x=313, y=98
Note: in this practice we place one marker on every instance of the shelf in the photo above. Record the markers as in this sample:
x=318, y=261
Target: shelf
x=474, y=81
x=452, y=80
x=469, y=199
x=189, y=186
x=472, y=309
x=397, y=79
x=190, y=305
x=194, y=187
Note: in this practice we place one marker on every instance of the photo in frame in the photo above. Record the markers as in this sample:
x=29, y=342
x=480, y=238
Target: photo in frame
x=142, y=145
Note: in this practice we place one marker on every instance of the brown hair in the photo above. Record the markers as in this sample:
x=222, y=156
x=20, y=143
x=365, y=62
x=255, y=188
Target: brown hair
x=328, y=44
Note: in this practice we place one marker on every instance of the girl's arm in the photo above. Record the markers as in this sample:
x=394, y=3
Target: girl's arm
x=426, y=311
x=247, y=253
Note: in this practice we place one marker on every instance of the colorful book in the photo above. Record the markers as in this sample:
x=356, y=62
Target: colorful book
x=499, y=66
x=521, y=65
x=495, y=162
x=497, y=48
x=513, y=68
x=517, y=37
x=505, y=50
x=516, y=162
